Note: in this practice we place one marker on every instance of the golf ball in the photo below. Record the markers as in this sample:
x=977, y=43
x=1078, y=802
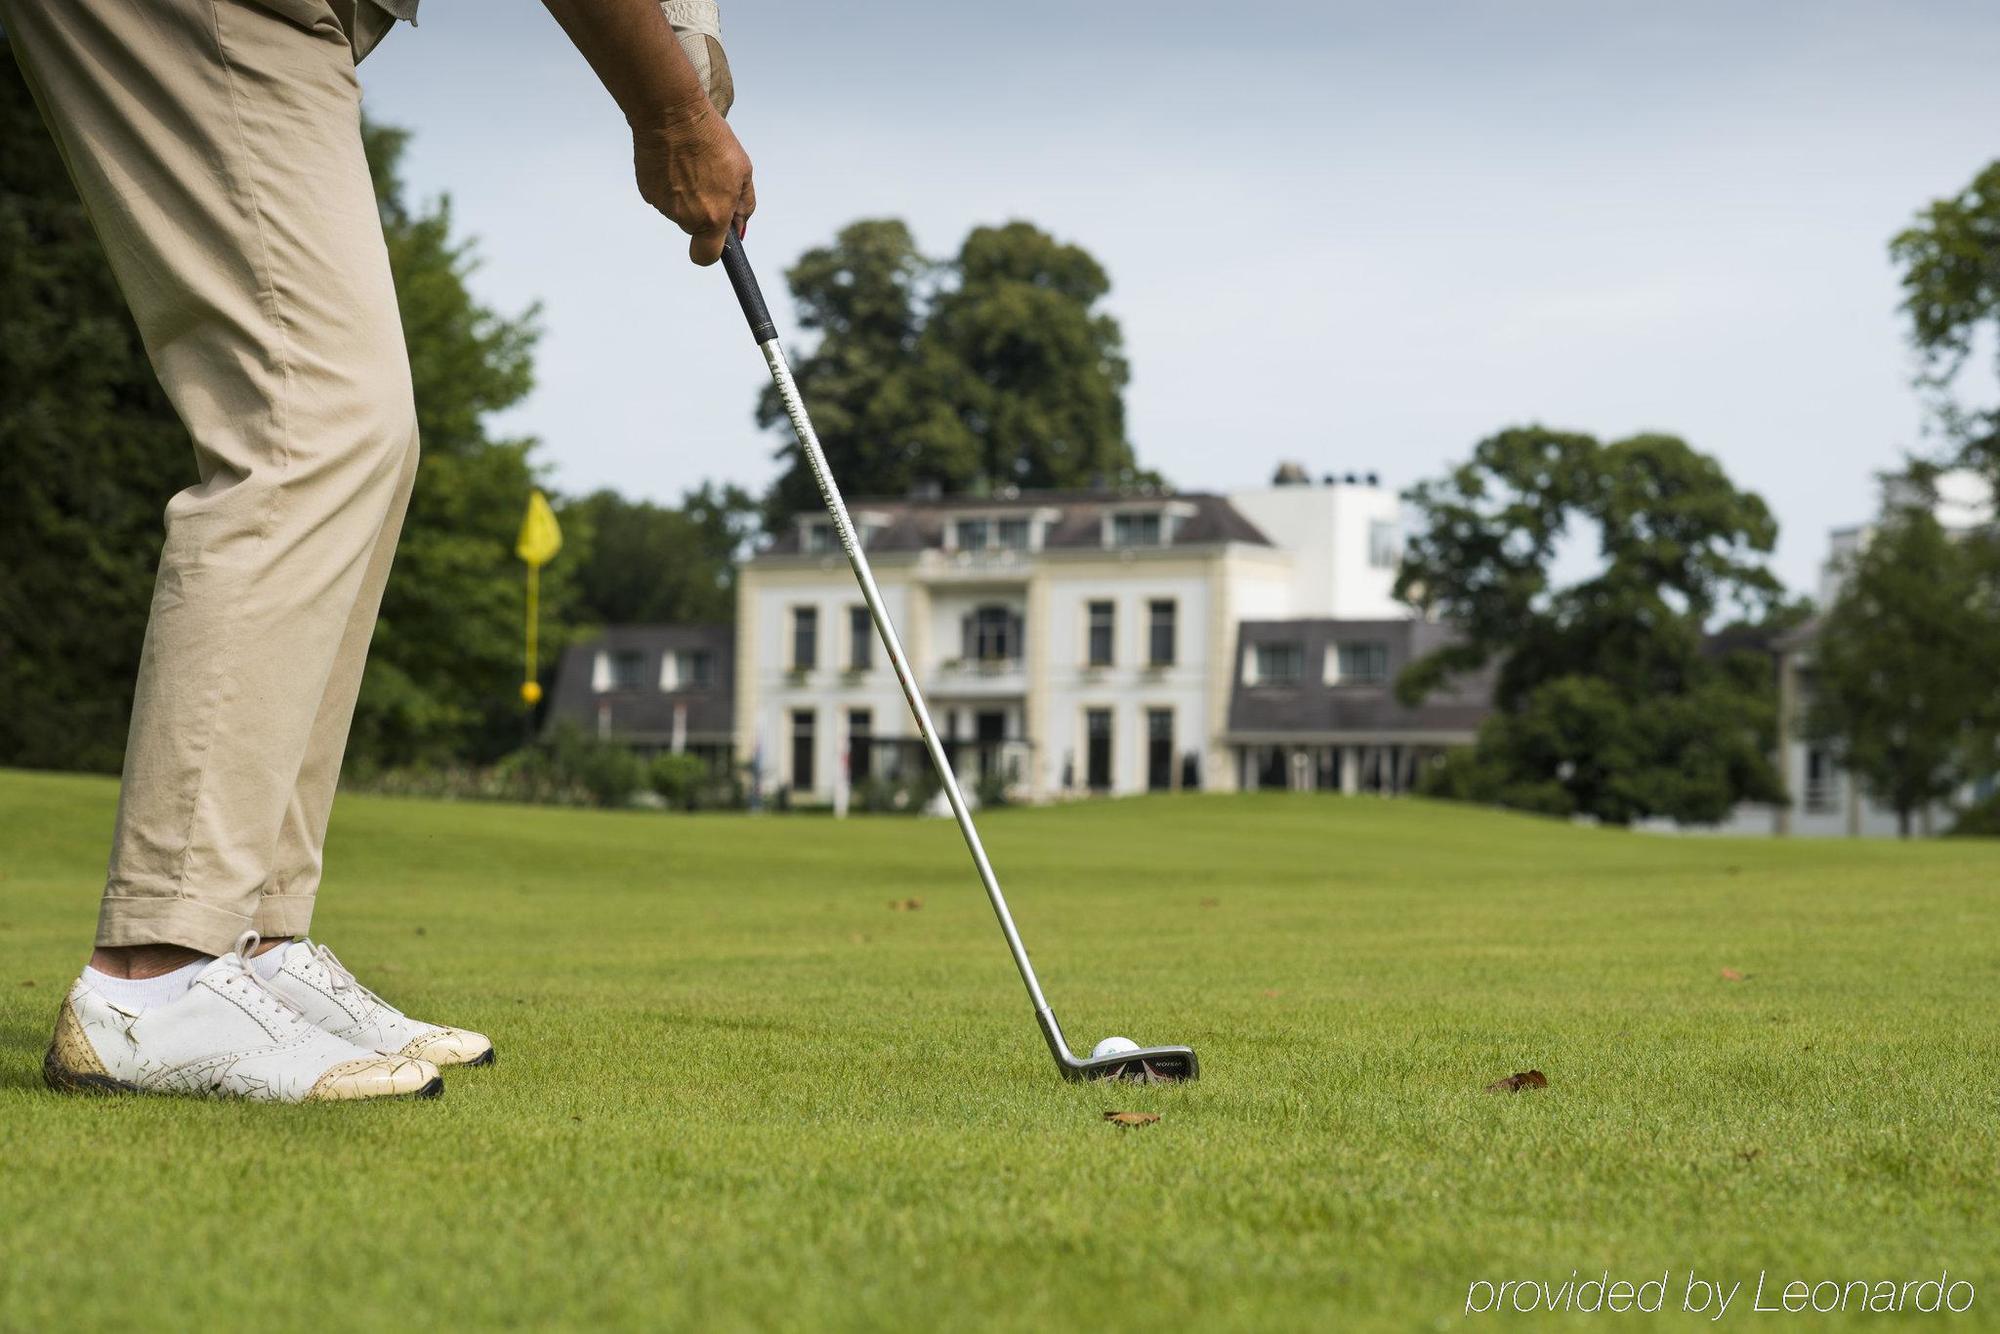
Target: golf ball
x=1113, y=1047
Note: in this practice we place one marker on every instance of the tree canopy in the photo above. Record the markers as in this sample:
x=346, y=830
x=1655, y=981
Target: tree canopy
x=90, y=449
x=1903, y=664
x=1950, y=260
x=447, y=651
x=90, y=452
x=1610, y=698
x=637, y=562
x=994, y=368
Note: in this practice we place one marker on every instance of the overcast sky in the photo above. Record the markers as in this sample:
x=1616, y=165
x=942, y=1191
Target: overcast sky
x=1360, y=236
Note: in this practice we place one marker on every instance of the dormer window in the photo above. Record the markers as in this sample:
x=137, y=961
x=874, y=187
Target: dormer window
x=1136, y=530
x=1275, y=665
x=687, y=669
x=1146, y=525
x=989, y=532
x=621, y=669
x=1361, y=663
x=816, y=536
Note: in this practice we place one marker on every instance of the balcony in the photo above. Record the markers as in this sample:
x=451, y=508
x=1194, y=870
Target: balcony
x=980, y=676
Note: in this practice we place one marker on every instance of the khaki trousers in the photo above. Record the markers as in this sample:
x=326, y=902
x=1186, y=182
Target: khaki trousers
x=216, y=145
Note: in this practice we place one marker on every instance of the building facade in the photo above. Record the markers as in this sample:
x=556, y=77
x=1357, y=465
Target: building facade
x=1067, y=643
x=652, y=687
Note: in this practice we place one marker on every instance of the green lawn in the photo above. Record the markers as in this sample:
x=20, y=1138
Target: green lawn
x=737, y=1091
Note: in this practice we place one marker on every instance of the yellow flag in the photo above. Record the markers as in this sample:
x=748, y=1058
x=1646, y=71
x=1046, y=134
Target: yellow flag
x=540, y=537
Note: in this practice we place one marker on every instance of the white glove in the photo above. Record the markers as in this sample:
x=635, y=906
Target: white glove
x=698, y=25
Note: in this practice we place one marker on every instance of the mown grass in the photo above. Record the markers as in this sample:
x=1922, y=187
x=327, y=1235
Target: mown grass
x=737, y=1091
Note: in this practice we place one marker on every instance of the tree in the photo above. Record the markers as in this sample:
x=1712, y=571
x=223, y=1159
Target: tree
x=639, y=562
x=993, y=369
x=1951, y=292
x=1610, y=700
x=447, y=651
x=1037, y=374
x=90, y=449
x=1902, y=666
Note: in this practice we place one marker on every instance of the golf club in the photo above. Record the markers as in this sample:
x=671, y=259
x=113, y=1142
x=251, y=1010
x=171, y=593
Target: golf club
x=1139, y=1064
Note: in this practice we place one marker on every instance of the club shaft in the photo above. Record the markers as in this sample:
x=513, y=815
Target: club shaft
x=857, y=559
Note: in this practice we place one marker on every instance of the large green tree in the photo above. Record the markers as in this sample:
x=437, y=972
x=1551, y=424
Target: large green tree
x=994, y=368
x=1610, y=699
x=447, y=653
x=638, y=562
x=89, y=452
x=1950, y=259
x=1903, y=664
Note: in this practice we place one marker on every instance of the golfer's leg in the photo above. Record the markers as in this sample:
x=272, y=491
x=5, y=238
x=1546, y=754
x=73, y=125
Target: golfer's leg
x=217, y=148
x=286, y=908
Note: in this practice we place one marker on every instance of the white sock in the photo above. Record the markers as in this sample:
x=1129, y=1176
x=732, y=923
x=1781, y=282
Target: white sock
x=270, y=961
x=143, y=993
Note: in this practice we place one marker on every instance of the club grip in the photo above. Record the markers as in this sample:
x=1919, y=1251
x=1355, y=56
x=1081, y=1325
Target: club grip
x=737, y=265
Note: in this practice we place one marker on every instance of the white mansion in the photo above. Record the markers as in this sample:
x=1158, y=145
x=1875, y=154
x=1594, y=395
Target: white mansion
x=1105, y=642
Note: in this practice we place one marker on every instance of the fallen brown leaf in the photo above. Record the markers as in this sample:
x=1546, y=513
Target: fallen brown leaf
x=1731, y=975
x=1522, y=1079
x=1748, y=1155
x=905, y=905
x=29, y=983
x=1211, y=903
x=1272, y=993
x=1131, y=1118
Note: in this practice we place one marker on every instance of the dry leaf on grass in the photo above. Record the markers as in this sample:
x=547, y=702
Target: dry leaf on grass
x=1521, y=1079
x=905, y=905
x=29, y=983
x=1748, y=1155
x=1731, y=975
x=1211, y=903
x=1131, y=1118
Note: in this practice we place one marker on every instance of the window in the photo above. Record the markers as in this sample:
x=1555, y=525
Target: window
x=860, y=745
x=628, y=669
x=992, y=634
x=1160, y=632
x=860, y=640
x=805, y=638
x=1103, y=622
x=1159, y=750
x=1135, y=530
x=818, y=537
x=1362, y=663
x=992, y=534
x=1822, y=792
x=1097, y=735
x=1278, y=664
x=693, y=669
x=1385, y=544
x=802, y=750
x=989, y=731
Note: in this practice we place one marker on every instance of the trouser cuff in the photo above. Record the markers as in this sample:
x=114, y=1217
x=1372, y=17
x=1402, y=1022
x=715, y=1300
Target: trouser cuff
x=162, y=920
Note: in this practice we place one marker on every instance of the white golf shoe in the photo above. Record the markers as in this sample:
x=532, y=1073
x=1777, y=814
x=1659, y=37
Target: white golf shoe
x=315, y=981
x=230, y=1036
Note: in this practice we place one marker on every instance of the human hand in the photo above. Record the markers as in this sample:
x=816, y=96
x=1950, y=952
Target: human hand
x=690, y=167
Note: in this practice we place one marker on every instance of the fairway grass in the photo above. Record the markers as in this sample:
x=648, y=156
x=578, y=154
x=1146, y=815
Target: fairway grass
x=736, y=1090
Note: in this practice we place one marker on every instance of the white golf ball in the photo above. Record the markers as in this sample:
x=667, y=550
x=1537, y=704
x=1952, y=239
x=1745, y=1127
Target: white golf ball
x=1113, y=1047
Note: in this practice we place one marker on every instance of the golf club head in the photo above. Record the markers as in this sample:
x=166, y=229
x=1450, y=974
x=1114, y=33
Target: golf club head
x=1146, y=1065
